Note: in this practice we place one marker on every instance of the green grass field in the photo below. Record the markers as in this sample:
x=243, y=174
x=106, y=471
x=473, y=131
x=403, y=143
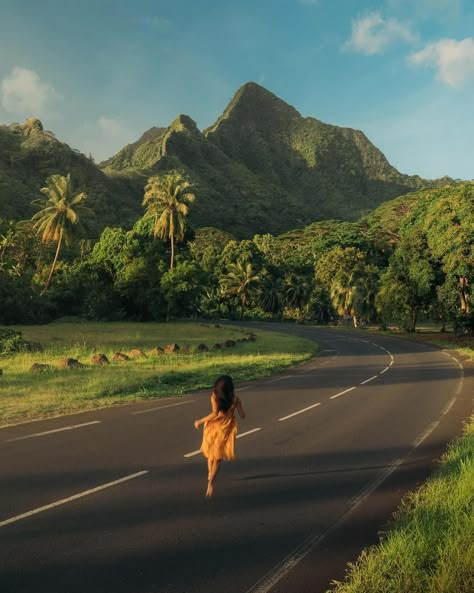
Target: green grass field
x=429, y=548
x=27, y=396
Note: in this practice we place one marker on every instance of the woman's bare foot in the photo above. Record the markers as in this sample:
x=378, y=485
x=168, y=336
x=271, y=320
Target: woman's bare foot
x=210, y=490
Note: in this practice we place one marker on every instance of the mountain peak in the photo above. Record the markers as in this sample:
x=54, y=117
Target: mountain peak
x=254, y=103
x=32, y=125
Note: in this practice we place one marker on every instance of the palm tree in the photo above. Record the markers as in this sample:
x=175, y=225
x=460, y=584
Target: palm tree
x=343, y=295
x=58, y=220
x=165, y=199
x=238, y=281
x=298, y=290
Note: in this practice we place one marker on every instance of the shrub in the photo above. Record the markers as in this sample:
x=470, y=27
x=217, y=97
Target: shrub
x=11, y=342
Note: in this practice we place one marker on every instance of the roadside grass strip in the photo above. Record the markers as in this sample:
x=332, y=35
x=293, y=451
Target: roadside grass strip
x=429, y=546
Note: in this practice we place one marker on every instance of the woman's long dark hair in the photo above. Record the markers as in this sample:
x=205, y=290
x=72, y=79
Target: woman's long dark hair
x=224, y=390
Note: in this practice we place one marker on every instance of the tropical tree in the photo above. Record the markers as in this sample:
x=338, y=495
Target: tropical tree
x=166, y=199
x=59, y=218
x=239, y=281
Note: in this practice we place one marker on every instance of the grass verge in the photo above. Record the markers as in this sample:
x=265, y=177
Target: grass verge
x=429, y=547
x=28, y=396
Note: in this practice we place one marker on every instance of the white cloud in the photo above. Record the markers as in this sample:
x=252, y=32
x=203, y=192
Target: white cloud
x=372, y=34
x=110, y=126
x=24, y=93
x=454, y=60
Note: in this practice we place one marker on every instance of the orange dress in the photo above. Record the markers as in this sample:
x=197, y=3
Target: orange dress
x=218, y=439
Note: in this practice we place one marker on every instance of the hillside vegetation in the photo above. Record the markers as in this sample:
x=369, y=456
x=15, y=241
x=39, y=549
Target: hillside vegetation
x=261, y=168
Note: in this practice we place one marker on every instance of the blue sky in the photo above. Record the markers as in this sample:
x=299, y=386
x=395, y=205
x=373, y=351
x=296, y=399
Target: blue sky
x=100, y=72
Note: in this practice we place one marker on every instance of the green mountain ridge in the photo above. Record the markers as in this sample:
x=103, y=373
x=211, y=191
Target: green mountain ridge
x=261, y=168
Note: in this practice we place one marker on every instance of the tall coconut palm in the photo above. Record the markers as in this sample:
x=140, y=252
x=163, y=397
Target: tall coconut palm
x=166, y=198
x=58, y=220
x=239, y=281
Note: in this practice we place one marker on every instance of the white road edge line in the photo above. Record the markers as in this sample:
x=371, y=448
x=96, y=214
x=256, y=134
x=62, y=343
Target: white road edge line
x=188, y=401
x=371, y=379
x=449, y=405
x=275, y=575
x=341, y=393
x=239, y=436
x=71, y=498
x=46, y=432
x=425, y=434
x=384, y=370
x=299, y=412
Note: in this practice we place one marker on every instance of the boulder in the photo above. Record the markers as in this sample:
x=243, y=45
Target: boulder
x=38, y=367
x=172, y=349
x=137, y=353
x=202, y=348
x=99, y=359
x=158, y=351
x=120, y=357
x=70, y=363
x=217, y=347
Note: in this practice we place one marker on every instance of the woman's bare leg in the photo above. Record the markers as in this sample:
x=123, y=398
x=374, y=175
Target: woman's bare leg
x=214, y=470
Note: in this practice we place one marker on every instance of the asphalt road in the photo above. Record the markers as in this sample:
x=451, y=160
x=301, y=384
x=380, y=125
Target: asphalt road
x=115, y=503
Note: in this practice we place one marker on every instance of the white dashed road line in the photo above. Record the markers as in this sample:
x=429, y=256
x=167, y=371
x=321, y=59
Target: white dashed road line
x=46, y=432
x=368, y=380
x=71, y=498
x=298, y=412
x=342, y=393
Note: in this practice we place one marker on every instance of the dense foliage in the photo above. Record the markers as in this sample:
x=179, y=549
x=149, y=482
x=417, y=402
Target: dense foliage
x=411, y=258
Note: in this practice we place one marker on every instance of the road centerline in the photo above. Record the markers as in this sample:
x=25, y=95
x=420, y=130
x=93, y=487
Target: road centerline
x=299, y=412
x=368, y=380
x=71, y=498
x=342, y=392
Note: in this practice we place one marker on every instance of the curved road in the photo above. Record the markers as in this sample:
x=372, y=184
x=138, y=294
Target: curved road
x=113, y=501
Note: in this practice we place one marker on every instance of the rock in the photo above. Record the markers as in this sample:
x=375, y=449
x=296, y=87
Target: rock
x=202, y=348
x=120, y=357
x=158, y=351
x=230, y=343
x=137, y=353
x=99, y=359
x=70, y=363
x=172, y=349
x=217, y=347
x=38, y=367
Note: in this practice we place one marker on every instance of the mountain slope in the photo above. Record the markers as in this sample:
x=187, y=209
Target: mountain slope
x=262, y=167
x=28, y=155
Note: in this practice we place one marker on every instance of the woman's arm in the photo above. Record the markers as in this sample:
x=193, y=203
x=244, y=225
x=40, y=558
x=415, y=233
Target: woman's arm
x=211, y=416
x=240, y=408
